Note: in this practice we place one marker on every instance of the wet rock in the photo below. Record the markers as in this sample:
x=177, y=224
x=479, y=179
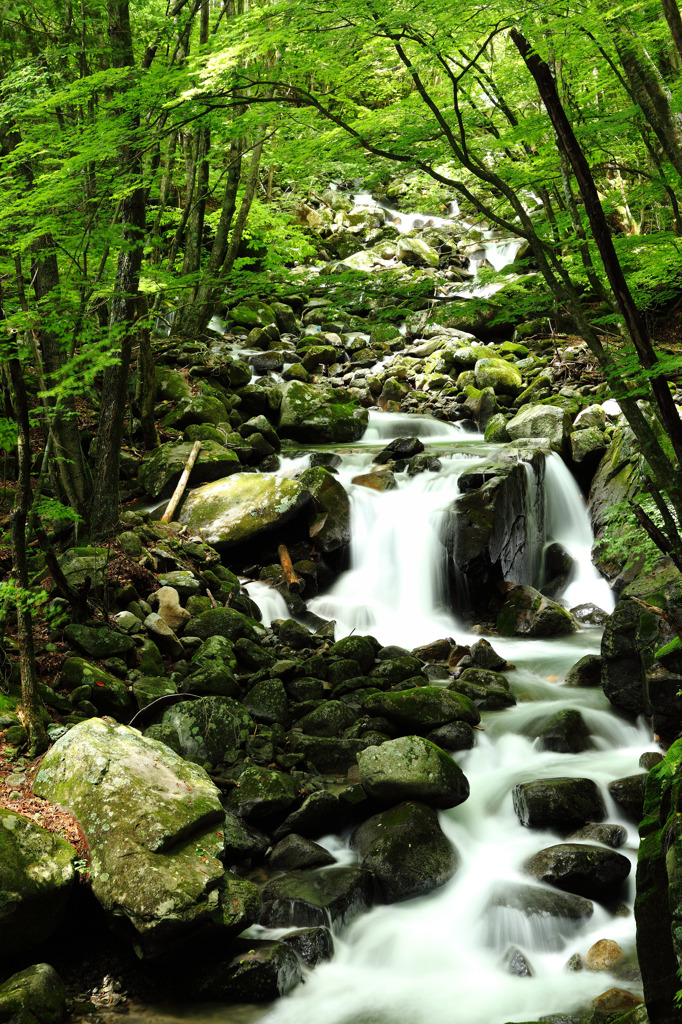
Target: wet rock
x=586, y=672
x=378, y=480
x=313, y=414
x=412, y=768
x=616, y=1000
x=527, y=612
x=316, y=898
x=453, y=736
x=99, y=643
x=629, y=795
x=560, y=803
x=254, y=972
x=649, y=759
x=483, y=655
x=328, y=720
x=589, y=615
x=392, y=670
x=611, y=835
x=329, y=523
x=311, y=945
x=212, y=680
x=327, y=753
x=603, y=955
x=150, y=820
x=319, y=814
x=162, y=468
x=267, y=702
x=295, y=852
x=400, y=448
x=406, y=851
x=34, y=996
x=235, y=510
x=518, y=964
x=261, y=793
x=225, y=622
x=36, y=876
x=242, y=840
x=488, y=690
x=423, y=708
x=535, y=916
x=589, y=871
x=565, y=732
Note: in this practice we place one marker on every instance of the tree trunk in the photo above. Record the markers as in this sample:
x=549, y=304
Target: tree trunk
x=145, y=390
x=104, y=508
x=31, y=704
x=672, y=15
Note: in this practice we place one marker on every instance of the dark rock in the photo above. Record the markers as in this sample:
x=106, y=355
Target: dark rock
x=209, y=728
x=400, y=448
x=224, y=622
x=316, y=898
x=295, y=851
x=453, y=736
x=586, y=672
x=560, y=803
x=327, y=753
x=330, y=719
x=590, y=615
x=535, y=916
x=589, y=871
x=649, y=759
x=311, y=945
x=565, y=732
x=406, y=851
x=488, y=690
x=517, y=964
x=396, y=670
x=527, y=612
x=423, y=708
x=242, y=840
x=412, y=768
x=319, y=814
x=329, y=523
x=254, y=972
x=262, y=792
x=483, y=655
x=628, y=793
x=358, y=648
x=611, y=835
x=267, y=702
x=34, y=996
x=99, y=643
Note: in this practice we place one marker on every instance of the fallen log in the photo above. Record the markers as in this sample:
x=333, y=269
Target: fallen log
x=182, y=483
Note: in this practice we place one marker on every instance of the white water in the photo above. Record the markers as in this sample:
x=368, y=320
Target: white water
x=442, y=958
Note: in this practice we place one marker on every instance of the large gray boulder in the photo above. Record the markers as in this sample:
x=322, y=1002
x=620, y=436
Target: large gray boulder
x=560, y=803
x=590, y=871
x=36, y=875
x=527, y=612
x=163, y=467
x=152, y=823
x=34, y=996
x=548, y=422
x=412, y=768
x=316, y=414
x=244, y=506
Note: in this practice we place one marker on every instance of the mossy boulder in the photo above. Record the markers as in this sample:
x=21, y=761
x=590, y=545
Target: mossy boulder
x=162, y=468
x=330, y=719
x=329, y=518
x=99, y=643
x=412, y=768
x=108, y=693
x=548, y=422
x=309, y=898
x=357, y=648
x=224, y=622
x=590, y=871
x=196, y=409
x=560, y=803
x=405, y=850
x=151, y=821
x=527, y=612
x=313, y=414
x=35, y=995
x=36, y=875
x=252, y=313
x=499, y=375
x=263, y=792
x=239, y=509
x=210, y=729
x=423, y=708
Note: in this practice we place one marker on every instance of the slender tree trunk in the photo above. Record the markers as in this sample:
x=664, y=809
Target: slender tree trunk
x=672, y=15
x=104, y=508
x=31, y=704
x=247, y=199
x=635, y=324
x=145, y=391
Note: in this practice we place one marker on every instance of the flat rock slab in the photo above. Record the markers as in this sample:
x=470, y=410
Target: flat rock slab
x=152, y=822
x=412, y=768
x=312, y=898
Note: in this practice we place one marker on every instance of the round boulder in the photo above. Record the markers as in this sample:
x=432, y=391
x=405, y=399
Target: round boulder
x=591, y=871
x=412, y=768
x=561, y=803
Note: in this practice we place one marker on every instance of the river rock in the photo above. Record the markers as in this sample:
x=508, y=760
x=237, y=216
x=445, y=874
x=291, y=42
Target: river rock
x=527, y=612
x=311, y=945
x=33, y=996
x=316, y=414
x=412, y=768
x=586, y=672
x=152, y=823
x=109, y=694
x=327, y=753
x=499, y=375
x=316, y=898
x=166, y=600
x=330, y=719
x=267, y=702
x=255, y=971
x=453, y=736
x=294, y=852
x=405, y=850
x=560, y=803
x=320, y=813
x=611, y=835
x=262, y=793
x=99, y=643
x=164, y=465
x=535, y=917
x=36, y=876
x=423, y=707
x=415, y=252
x=628, y=793
x=488, y=690
x=548, y=422
x=209, y=728
x=235, y=510
x=329, y=522
x=589, y=871
x=603, y=955
x=564, y=732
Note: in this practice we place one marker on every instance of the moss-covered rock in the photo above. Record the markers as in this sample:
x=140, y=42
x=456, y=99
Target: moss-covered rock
x=406, y=851
x=162, y=468
x=34, y=996
x=36, y=876
x=210, y=729
x=224, y=622
x=527, y=612
x=548, y=422
x=589, y=871
x=309, y=898
x=499, y=375
x=423, y=708
x=314, y=414
x=412, y=768
x=241, y=508
x=196, y=409
x=560, y=803
x=329, y=520
x=150, y=822
x=263, y=792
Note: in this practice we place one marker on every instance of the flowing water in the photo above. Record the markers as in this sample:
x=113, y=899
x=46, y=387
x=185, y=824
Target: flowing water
x=444, y=957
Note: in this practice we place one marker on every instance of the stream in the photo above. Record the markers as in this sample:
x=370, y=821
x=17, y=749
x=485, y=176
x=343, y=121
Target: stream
x=446, y=956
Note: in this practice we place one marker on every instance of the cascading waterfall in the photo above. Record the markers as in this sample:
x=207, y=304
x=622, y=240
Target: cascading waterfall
x=445, y=956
